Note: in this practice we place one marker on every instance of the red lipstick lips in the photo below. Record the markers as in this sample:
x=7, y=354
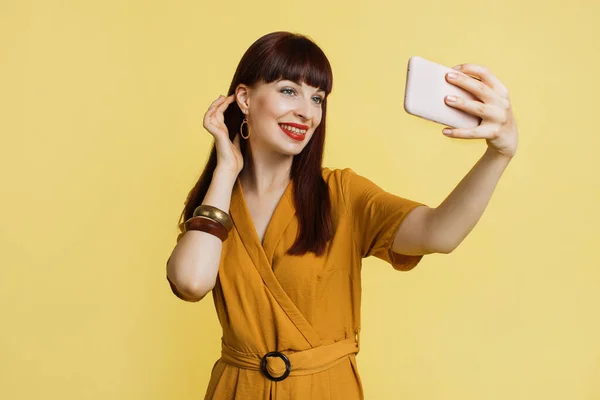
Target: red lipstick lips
x=296, y=136
x=299, y=126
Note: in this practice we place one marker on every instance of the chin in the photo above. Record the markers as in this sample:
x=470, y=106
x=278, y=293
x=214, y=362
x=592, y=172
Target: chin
x=289, y=148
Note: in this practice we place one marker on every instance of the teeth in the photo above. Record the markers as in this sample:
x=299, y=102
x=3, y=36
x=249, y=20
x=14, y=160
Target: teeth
x=293, y=129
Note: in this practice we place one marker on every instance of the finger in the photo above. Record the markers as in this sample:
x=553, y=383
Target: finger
x=464, y=133
x=477, y=108
x=214, y=115
x=214, y=106
x=478, y=88
x=209, y=115
x=218, y=101
x=211, y=110
x=482, y=131
x=211, y=120
x=485, y=75
x=223, y=106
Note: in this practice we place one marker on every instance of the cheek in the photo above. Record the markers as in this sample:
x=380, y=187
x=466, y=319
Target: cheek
x=281, y=107
x=318, y=119
x=274, y=106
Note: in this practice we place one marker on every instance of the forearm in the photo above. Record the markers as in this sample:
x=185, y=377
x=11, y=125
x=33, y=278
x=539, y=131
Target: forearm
x=194, y=263
x=458, y=214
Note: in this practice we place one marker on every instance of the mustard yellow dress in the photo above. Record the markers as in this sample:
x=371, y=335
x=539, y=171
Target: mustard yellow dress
x=305, y=307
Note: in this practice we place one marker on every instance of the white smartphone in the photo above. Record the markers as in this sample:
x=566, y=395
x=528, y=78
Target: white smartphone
x=426, y=89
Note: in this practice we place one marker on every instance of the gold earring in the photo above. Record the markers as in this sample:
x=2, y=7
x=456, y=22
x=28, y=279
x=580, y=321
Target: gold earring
x=245, y=121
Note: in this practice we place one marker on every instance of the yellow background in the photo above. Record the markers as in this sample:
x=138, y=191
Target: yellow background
x=101, y=108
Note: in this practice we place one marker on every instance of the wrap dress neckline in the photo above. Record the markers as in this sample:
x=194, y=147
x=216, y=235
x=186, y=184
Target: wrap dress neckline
x=262, y=254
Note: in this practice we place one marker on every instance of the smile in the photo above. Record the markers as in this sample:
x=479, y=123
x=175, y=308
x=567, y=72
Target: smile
x=293, y=129
x=293, y=132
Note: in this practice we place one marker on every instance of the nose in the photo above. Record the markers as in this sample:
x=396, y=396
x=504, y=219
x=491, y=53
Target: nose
x=305, y=110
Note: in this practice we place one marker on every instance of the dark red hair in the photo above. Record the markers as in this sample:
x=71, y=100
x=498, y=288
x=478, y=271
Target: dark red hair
x=294, y=57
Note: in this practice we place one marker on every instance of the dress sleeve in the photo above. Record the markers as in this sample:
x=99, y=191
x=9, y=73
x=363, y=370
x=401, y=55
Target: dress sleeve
x=376, y=216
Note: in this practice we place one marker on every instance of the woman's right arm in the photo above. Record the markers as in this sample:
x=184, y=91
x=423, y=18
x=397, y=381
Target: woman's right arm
x=194, y=263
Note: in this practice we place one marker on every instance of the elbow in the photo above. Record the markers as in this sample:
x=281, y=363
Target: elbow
x=190, y=293
x=187, y=289
x=446, y=250
x=448, y=246
x=197, y=291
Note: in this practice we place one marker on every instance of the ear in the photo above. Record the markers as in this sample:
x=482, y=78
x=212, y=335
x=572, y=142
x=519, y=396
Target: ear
x=242, y=97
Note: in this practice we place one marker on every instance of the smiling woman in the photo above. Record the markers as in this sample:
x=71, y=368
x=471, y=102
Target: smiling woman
x=278, y=238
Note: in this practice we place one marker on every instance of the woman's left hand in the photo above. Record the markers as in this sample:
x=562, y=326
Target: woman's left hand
x=492, y=105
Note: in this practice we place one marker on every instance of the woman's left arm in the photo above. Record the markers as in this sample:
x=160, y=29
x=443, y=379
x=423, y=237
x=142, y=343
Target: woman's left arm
x=440, y=230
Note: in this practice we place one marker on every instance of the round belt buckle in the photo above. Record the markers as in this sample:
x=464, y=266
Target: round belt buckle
x=263, y=365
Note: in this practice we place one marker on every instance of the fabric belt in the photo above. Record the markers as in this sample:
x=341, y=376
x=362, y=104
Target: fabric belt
x=304, y=362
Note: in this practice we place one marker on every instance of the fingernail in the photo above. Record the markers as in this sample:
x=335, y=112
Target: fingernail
x=451, y=98
x=447, y=131
x=452, y=75
x=456, y=67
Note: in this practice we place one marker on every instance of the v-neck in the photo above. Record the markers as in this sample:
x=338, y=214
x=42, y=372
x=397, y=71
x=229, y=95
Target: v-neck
x=282, y=215
x=262, y=254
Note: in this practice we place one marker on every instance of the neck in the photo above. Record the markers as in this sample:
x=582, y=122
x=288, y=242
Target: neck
x=265, y=172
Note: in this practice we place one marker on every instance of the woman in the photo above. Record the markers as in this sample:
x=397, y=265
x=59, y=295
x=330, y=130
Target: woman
x=279, y=240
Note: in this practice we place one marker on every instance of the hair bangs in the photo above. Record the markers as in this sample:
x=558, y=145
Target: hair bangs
x=298, y=60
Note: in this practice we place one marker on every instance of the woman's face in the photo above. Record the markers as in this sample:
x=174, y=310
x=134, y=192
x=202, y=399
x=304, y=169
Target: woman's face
x=282, y=115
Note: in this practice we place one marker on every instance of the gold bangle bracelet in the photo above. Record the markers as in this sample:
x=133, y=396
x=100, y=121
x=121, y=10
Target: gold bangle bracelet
x=215, y=214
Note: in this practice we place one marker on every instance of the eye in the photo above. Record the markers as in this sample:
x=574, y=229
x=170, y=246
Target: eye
x=284, y=90
x=287, y=90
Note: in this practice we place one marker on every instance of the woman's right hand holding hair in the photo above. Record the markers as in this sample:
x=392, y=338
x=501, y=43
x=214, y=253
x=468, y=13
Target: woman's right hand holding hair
x=229, y=155
x=193, y=266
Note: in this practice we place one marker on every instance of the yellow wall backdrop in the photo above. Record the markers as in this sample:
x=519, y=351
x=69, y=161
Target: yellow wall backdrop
x=101, y=107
